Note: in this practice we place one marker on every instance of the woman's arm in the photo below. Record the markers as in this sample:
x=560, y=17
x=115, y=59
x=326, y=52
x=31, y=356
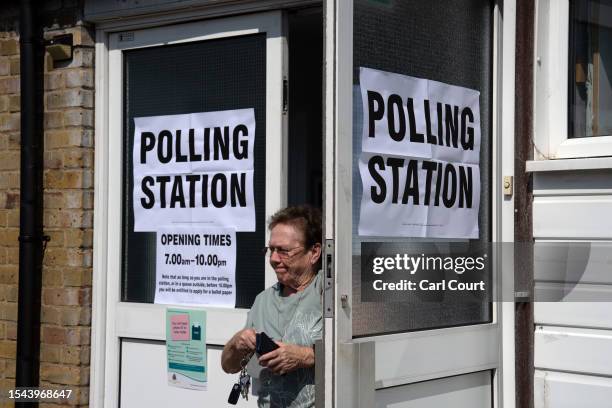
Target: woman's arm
x=238, y=347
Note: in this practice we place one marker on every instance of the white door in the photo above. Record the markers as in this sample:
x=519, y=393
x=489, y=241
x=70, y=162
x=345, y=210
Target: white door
x=211, y=65
x=419, y=355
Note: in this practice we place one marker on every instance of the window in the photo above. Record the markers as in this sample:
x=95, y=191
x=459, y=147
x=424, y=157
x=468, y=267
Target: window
x=590, y=68
x=573, y=70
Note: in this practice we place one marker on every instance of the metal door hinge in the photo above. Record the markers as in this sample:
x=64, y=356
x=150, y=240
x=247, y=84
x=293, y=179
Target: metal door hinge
x=328, y=279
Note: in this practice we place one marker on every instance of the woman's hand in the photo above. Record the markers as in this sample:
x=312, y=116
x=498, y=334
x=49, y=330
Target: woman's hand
x=244, y=340
x=239, y=346
x=287, y=358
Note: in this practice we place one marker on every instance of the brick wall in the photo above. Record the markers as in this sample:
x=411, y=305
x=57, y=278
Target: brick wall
x=68, y=207
x=9, y=204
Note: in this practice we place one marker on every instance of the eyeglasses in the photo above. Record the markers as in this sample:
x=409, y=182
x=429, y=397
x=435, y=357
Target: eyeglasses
x=283, y=253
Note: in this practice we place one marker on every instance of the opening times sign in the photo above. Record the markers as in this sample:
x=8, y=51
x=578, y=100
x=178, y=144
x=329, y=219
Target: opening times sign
x=420, y=157
x=196, y=268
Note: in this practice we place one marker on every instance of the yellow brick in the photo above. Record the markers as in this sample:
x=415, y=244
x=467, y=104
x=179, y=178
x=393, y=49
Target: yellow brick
x=9, y=236
x=55, y=257
x=65, y=296
x=12, y=255
x=50, y=353
x=54, y=120
x=10, y=122
x=10, y=160
x=9, y=274
x=5, y=67
x=12, y=200
x=50, y=315
x=15, y=69
x=53, y=159
x=9, y=85
x=79, y=238
x=62, y=374
x=82, y=157
x=54, y=200
x=14, y=103
x=8, y=311
x=12, y=218
x=52, y=276
x=80, y=36
x=14, y=140
x=11, y=330
x=8, y=349
x=9, y=47
x=68, y=179
x=9, y=370
x=12, y=293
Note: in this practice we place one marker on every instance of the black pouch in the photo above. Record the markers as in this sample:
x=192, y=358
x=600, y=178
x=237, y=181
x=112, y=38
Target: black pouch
x=264, y=344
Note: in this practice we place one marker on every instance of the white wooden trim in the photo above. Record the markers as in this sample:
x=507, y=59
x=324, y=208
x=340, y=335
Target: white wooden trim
x=329, y=92
x=577, y=314
x=573, y=349
x=596, y=146
x=565, y=390
x=100, y=237
x=113, y=254
x=505, y=387
x=569, y=164
x=346, y=373
x=578, y=217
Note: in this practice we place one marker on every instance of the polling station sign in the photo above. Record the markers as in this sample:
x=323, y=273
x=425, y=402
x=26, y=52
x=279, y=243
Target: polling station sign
x=194, y=169
x=420, y=157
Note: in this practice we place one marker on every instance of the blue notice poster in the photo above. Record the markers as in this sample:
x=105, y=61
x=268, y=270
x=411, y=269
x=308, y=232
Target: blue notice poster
x=186, y=348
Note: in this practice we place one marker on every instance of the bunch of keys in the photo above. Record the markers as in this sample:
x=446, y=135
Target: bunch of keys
x=243, y=384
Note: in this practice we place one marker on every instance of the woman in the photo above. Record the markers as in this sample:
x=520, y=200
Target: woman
x=289, y=312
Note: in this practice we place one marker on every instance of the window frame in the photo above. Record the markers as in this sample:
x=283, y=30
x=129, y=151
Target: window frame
x=551, y=89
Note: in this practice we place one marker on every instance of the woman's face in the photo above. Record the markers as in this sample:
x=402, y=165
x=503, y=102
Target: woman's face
x=291, y=260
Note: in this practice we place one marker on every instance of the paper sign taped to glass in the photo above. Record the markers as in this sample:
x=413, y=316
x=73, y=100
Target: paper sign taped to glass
x=420, y=157
x=194, y=169
x=196, y=266
x=186, y=348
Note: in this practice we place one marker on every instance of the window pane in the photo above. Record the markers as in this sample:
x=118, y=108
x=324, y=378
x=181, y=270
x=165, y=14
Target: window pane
x=447, y=41
x=590, y=65
x=222, y=74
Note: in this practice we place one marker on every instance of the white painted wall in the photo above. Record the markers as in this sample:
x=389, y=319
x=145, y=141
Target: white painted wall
x=573, y=340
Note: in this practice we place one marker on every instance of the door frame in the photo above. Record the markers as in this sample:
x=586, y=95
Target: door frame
x=351, y=363
x=111, y=318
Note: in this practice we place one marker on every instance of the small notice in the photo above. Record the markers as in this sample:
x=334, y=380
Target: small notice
x=196, y=267
x=420, y=157
x=186, y=348
x=194, y=169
